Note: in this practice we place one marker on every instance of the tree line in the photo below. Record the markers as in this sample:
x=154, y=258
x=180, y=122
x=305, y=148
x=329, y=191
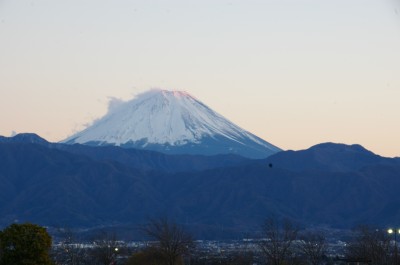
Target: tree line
x=281, y=242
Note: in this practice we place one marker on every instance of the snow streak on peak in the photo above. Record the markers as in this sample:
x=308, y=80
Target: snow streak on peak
x=173, y=118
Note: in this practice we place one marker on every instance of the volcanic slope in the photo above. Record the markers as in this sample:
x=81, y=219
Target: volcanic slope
x=172, y=122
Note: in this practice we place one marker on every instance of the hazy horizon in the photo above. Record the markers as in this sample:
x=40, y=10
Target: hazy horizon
x=293, y=72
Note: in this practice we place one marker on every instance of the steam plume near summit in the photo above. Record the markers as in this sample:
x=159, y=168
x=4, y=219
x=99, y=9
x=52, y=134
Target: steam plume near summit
x=171, y=122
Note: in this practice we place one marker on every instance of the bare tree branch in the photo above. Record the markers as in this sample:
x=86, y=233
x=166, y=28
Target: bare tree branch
x=277, y=243
x=313, y=246
x=173, y=241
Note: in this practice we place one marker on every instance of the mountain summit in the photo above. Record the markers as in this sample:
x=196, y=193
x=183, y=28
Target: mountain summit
x=171, y=122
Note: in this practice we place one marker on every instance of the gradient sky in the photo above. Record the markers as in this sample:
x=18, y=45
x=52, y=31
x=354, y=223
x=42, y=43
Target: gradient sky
x=294, y=72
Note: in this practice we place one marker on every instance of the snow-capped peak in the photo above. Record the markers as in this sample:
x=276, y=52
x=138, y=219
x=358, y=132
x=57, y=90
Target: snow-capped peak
x=162, y=117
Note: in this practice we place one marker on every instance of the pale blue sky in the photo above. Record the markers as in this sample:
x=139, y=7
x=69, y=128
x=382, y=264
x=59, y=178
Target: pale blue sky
x=294, y=72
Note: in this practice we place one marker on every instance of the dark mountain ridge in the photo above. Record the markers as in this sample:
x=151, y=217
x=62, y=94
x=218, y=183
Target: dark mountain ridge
x=56, y=188
x=24, y=138
x=329, y=157
x=140, y=159
x=328, y=184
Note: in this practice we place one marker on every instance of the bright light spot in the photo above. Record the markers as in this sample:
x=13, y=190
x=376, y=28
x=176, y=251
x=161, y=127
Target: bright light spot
x=390, y=231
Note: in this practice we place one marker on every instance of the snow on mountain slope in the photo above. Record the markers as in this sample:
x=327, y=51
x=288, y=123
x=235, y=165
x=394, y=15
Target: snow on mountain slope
x=171, y=122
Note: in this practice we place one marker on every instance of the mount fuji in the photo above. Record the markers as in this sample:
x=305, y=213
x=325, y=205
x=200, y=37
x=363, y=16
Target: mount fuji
x=171, y=122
